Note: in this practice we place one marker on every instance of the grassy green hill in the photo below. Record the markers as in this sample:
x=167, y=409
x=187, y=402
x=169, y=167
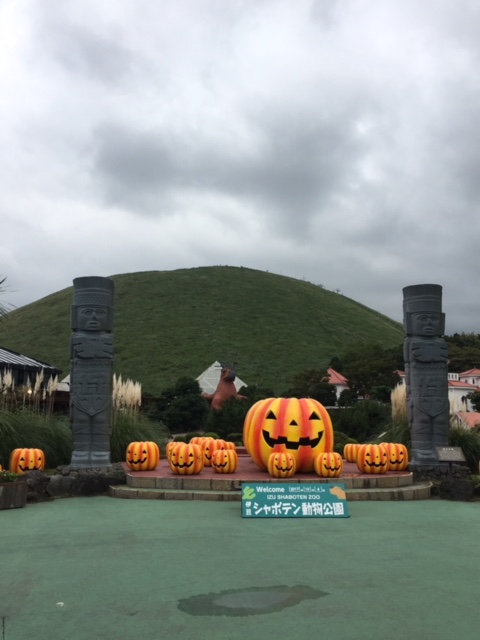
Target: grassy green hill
x=174, y=323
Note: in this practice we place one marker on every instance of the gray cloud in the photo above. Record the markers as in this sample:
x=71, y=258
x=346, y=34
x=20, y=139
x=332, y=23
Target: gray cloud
x=311, y=139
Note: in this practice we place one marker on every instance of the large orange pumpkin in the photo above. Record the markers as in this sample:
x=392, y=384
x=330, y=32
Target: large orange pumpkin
x=142, y=456
x=186, y=459
x=22, y=460
x=397, y=456
x=224, y=461
x=372, y=458
x=329, y=464
x=300, y=426
x=281, y=464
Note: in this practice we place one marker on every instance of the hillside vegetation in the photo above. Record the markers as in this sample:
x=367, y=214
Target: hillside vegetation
x=177, y=323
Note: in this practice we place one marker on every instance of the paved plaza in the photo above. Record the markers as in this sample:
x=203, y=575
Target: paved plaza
x=108, y=569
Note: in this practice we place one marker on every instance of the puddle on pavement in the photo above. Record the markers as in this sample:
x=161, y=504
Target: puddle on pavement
x=248, y=602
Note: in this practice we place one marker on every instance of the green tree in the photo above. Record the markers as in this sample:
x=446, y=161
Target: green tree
x=181, y=406
x=463, y=351
x=3, y=307
x=313, y=383
x=475, y=400
x=370, y=365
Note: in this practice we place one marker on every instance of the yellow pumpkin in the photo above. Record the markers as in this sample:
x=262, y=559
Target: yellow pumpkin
x=397, y=456
x=22, y=460
x=372, y=458
x=186, y=459
x=329, y=465
x=281, y=464
x=224, y=461
x=142, y=456
x=350, y=452
x=209, y=445
x=300, y=426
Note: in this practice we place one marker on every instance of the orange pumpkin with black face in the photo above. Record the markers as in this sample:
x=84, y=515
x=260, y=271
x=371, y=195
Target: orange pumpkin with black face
x=186, y=459
x=169, y=447
x=300, y=426
x=142, y=456
x=397, y=456
x=372, y=458
x=209, y=445
x=329, y=465
x=281, y=464
x=224, y=461
x=22, y=460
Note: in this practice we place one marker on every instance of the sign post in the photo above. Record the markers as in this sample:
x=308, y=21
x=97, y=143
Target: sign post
x=450, y=455
x=294, y=500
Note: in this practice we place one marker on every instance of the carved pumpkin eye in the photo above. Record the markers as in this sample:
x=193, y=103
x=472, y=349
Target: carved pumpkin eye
x=314, y=416
x=271, y=416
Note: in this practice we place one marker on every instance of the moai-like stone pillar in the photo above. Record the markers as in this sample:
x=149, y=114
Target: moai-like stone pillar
x=426, y=368
x=91, y=378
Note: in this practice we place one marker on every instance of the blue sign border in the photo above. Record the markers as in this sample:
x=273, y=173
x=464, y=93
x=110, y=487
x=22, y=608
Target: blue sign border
x=294, y=500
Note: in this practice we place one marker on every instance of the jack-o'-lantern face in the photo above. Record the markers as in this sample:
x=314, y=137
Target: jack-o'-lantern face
x=329, y=465
x=23, y=460
x=372, y=458
x=281, y=464
x=209, y=445
x=300, y=426
x=186, y=459
x=224, y=461
x=142, y=456
x=397, y=456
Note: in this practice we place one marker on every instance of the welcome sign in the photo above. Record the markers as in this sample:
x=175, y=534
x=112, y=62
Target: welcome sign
x=285, y=500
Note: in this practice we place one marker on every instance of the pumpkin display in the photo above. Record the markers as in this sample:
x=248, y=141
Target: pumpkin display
x=230, y=445
x=372, y=458
x=186, y=459
x=22, y=460
x=196, y=439
x=142, y=456
x=397, y=454
x=350, y=452
x=329, y=464
x=281, y=464
x=224, y=461
x=300, y=426
x=209, y=445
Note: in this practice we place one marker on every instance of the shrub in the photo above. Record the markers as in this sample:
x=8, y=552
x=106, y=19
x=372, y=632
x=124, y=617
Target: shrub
x=469, y=442
x=237, y=438
x=128, y=428
x=29, y=429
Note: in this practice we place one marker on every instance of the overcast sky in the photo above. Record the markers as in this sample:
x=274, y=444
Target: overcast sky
x=332, y=140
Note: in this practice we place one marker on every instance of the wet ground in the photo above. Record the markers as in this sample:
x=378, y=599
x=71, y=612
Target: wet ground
x=106, y=569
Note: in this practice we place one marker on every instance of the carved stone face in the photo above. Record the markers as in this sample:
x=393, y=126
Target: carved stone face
x=92, y=318
x=426, y=324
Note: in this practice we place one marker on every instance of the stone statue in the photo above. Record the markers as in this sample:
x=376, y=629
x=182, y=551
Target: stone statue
x=426, y=368
x=225, y=389
x=91, y=379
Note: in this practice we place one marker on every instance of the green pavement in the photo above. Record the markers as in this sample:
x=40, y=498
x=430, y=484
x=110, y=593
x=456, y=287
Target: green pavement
x=106, y=569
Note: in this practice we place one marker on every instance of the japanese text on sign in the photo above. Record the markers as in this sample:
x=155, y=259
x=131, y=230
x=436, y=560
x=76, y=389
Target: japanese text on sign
x=270, y=500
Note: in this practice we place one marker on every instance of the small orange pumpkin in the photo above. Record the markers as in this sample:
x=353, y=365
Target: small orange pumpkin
x=397, y=456
x=350, y=452
x=209, y=445
x=142, y=456
x=372, y=458
x=22, y=460
x=224, y=461
x=329, y=465
x=186, y=459
x=281, y=464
